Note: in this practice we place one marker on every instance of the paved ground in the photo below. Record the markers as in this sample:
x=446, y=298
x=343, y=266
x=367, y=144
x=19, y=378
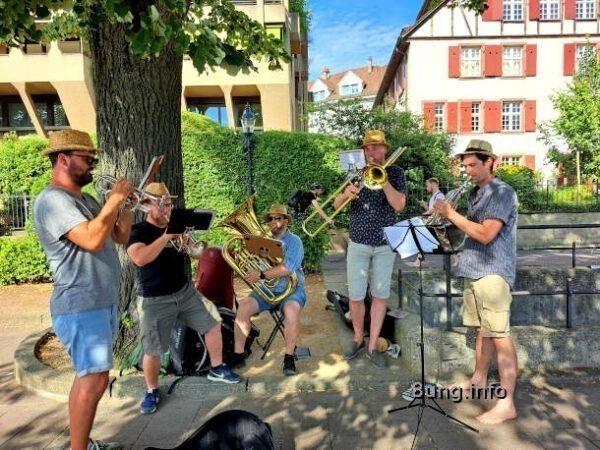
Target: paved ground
x=330, y=405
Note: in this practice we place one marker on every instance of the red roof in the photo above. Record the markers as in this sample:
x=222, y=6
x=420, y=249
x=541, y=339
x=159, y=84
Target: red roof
x=371, y=82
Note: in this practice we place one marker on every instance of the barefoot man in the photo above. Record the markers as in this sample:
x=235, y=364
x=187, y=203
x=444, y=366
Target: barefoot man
x=487, y=265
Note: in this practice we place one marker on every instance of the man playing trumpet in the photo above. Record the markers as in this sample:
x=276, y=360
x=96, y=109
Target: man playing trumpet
x=278, y=220
x=165, y=294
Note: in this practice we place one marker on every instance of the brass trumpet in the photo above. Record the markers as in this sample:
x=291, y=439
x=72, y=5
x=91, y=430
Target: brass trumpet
x=372, y=176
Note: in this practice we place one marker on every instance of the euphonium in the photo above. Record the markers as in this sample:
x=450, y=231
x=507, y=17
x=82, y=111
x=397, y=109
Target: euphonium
x=243, y=221
x=372, y=176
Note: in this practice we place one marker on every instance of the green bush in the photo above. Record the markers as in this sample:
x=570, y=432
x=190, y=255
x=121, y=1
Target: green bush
x=524, y=181
x=24, y=170
x=22, y=260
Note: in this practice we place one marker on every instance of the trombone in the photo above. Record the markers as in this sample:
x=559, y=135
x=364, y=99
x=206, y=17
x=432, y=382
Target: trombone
x=188, y=243
x=371, y=176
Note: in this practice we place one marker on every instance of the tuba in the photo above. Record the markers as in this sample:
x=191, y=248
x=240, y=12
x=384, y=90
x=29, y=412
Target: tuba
x=451, y=238
x=243, y=221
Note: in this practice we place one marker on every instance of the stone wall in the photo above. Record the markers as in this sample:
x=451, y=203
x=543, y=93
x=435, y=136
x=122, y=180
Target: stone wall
x=561, y=237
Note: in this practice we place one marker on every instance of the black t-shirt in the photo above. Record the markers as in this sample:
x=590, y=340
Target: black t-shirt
x=166, y=274
x=305, y=201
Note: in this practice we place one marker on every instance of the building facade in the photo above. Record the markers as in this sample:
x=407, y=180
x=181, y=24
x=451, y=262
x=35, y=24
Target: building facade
x=492, y=76
x=61, y=95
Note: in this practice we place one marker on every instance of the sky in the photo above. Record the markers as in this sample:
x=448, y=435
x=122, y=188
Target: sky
x=344, y=33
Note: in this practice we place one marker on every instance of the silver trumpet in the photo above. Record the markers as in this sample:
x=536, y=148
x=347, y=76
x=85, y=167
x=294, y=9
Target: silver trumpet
x=104, y=184
x=186, y=242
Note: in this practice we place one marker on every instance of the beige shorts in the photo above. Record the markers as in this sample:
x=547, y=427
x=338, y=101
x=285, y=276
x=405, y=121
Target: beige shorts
x=487, y=305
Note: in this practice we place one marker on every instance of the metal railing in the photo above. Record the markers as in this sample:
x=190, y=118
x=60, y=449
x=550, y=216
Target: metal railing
x=14, y=211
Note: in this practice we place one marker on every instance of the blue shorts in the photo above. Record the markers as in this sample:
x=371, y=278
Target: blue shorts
x=88, y=337
x=298, y=296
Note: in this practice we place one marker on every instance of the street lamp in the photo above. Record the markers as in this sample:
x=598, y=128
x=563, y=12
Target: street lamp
x=248, y=120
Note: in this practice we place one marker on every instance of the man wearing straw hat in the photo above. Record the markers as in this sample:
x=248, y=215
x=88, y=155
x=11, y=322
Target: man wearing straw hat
x=78, y=237
x=371, y=211
x=165, y=294
x=278, y=220
x=487, y=265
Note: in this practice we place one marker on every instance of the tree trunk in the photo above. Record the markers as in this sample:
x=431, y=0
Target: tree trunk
x=138, y=106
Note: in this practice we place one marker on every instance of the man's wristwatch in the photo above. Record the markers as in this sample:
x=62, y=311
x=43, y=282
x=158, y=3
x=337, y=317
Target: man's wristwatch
x=262, y=275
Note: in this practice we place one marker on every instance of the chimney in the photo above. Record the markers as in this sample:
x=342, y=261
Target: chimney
x=370, y=64
x=325, y=73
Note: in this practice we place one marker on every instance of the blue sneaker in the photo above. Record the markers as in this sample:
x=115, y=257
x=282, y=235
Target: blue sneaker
x=150, y=403
x=224, y=375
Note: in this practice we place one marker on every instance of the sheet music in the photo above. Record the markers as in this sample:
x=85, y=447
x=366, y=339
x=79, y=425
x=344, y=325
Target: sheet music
x=352, y=159
x=402, y=241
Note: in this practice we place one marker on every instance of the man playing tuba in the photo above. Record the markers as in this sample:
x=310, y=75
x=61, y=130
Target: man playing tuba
x=278, y=220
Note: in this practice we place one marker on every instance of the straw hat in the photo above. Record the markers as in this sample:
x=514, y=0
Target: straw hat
x=374, y=137
x=158, y=189
x=478, y=147
x=277, y=208
x=67, y=140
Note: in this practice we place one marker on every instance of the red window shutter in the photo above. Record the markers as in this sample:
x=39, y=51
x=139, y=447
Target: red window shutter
x=529, y=161
x=493, y=60
x=494, y=11
x=429, y=113
x=530, y=106
x=465, y=117
x=569, y=9
x=534, y=9
x=530, y=60
x=453, y=61
x=452, y=116
x=492, y=116
x=569, y=59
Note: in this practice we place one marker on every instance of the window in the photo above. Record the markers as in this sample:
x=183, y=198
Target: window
x=470, y=61
x=580, y=51
x=319, y=95
x=512, y=10
x=438, y=124
x=512, y=61
x=217, y=111
x=511, y=116
x=475, y=117
x=585, y=9
x=549, y=9
x=14, y=115
x=350, y=89
x=512, y=161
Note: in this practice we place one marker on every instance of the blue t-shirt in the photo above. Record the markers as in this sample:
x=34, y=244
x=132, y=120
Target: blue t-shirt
x=293, y=252
x=371, y=212
x=83, y=280
x=495, y=200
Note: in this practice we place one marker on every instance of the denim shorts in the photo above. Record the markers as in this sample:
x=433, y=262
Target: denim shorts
x=358, y=261
x=88, y=336
x=298, y=296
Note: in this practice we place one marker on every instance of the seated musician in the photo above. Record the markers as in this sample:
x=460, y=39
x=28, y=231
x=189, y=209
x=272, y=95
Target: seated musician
x=278, y=220
x=165, y=295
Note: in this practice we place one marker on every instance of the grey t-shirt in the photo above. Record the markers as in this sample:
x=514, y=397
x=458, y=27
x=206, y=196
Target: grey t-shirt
x=83, y=280
x=496, y=200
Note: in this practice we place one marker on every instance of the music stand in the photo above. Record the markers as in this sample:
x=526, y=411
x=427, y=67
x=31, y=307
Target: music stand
x=183, y=220
x=422, y=241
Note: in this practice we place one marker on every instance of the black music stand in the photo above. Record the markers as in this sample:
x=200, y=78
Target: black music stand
x=183, y=220
x=420, y=238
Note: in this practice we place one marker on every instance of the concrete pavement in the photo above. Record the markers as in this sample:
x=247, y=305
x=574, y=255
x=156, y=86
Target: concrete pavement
x=330, y=405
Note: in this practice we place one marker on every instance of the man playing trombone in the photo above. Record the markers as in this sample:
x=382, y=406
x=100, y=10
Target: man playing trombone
x=278, y=220
x=371, y=211
x=165, y=294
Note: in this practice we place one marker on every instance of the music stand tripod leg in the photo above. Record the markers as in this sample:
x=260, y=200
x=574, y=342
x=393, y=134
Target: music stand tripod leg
x=422, y=403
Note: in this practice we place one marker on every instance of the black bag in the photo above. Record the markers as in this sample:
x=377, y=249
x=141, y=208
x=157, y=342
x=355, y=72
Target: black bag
x=230, y=430
x=188, y=350
x=295, y=199
x=341, y=304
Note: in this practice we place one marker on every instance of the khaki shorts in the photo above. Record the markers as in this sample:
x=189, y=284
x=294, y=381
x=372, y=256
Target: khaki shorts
x=159, y=314
x=487, y=305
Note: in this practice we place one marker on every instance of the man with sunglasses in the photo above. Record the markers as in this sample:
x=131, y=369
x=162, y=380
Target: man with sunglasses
x=278, y=220
x=165, y=295
x=78, y=236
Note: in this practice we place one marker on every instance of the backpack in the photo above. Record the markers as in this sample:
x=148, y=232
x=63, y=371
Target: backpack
x=295, y=199
x=187, y=349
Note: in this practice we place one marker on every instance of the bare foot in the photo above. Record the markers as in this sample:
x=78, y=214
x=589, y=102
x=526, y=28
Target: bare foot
x=504, y=410
x=466, y=385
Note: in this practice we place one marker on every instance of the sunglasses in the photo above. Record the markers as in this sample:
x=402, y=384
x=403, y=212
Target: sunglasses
x=88, y=159
x=274, y=218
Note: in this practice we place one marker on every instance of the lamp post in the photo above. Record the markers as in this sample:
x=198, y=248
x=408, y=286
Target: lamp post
x=248, y=120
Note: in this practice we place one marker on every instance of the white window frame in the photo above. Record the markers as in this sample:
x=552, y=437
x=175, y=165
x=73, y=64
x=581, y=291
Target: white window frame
x=353, y=89
x=585, y=9
x=475, y=117
x=512, y=61
x=319, y=95
x=438, y=117
x=512, y=116
x=512, y=10
x=470, y=62
x=512, y=160
x=549, y=9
